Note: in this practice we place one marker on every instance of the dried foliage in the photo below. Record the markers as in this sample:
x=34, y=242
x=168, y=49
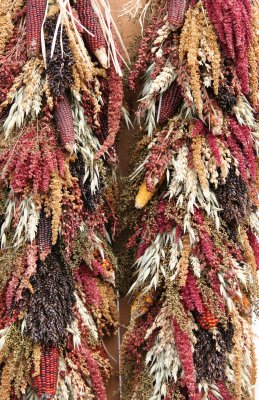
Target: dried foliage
x=195, y=240
x=56, y=204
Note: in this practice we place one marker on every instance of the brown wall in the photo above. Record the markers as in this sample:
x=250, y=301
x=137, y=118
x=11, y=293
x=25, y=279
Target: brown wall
x=128, y=30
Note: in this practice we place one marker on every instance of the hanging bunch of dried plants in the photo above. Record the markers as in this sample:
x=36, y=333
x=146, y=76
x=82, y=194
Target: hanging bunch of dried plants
x=57, y=271
x=195, y=236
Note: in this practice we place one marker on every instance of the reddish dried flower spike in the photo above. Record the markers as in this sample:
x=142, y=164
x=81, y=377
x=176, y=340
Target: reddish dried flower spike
x=170, y=103
x=96, y=44
x=45, y=384
x=114, y=111
x=233, y=24
x=44, y=236
x=20, y=13
x=64, y=121
x=176, y=12
x=34, y=19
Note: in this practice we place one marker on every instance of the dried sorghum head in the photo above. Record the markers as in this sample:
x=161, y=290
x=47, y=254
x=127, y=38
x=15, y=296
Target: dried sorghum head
x=210, y=353
x=233, y=198
x=51, y=305
x=225, y=100
x=59, y=67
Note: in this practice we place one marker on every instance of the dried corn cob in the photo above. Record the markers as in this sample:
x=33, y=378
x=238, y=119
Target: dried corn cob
x=50, y=362
x=45, y=384
x=144, y=195
x=37, y=385
x=96, y=44
x=176, y=12
x=170, y=102
x=44, y=236
x=34, y=19
x=208, y=321
x=64, y=122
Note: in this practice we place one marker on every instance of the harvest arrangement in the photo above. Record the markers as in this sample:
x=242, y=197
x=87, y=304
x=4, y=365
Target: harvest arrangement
x=196, y=183
x=60, y=107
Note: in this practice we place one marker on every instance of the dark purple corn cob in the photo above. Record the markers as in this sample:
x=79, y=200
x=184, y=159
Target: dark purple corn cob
x=171, y=101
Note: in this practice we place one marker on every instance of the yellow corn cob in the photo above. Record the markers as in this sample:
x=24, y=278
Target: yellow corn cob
x=144, y=195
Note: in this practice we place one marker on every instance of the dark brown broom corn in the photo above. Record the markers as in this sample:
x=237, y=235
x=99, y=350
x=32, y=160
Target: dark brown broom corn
x=34, y=19
x=210, y=353
x=59, y=65
x=51, y=306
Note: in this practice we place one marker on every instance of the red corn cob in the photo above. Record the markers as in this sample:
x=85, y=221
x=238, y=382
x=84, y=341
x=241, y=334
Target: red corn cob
x=170, y=103
x=44, y=236
x=45, y=384
x=37, y=385
x=50, y=362
x=96, y=44
x=176, y=12
x=34, y=19
x=208, y=321
x=64, y=121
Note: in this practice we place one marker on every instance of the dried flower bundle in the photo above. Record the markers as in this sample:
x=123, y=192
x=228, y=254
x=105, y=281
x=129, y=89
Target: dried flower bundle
x=8, y=12
x=57, y=272
x=196, y=239
x=234, y=29
x=13, y=59
x=32, y=158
